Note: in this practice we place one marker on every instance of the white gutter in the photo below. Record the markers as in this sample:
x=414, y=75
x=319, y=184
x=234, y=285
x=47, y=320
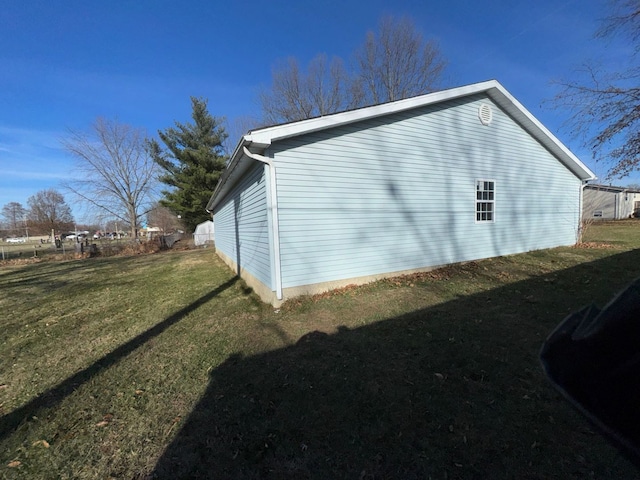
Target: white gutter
x=274, y=216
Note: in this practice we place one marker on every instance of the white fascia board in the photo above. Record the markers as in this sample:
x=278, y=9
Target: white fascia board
x=230, y=172
x=265, y=136
x=258, y=140
x=512, y=106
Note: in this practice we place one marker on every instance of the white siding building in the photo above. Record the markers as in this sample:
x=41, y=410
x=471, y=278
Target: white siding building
x=606, y=202
x=451, y=176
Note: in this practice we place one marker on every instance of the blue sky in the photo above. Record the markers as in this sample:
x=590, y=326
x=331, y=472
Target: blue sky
x=65, y=62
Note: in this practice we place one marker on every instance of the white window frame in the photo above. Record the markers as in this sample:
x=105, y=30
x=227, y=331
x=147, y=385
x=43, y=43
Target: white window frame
x=488, y=199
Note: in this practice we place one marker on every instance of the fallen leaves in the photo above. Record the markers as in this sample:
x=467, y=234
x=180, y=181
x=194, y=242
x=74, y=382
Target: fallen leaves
x=14, y=464
x=338, y=291
x=589, y=245
x=106, y=420
x=44, y=443
x=407, y=280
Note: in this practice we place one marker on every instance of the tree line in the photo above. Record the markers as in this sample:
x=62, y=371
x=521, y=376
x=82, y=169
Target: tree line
x=123, y=173
x=47, y=210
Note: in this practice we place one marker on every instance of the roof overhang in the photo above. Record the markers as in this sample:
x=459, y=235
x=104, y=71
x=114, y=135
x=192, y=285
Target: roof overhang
x=259, y=140
x=610, y=188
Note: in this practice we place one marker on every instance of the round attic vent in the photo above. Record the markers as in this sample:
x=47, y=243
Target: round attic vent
x=485, y=114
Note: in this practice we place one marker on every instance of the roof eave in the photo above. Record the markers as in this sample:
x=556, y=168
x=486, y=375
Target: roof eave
x=279, y=132
x=517, y=111
x=259, y=140
x=237, y=165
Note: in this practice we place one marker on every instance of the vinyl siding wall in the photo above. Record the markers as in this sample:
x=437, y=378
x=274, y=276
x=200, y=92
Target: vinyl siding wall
x=398, y=193
x=242, y=232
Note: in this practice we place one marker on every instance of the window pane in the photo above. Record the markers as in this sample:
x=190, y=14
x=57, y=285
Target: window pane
x=485, y=198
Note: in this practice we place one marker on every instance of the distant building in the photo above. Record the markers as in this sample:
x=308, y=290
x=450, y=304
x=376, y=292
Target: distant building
x=203, y=234
x=151, y=232
x=606, y=202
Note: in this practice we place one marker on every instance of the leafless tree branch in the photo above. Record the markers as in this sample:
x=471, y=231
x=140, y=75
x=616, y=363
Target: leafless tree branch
x=114, y=173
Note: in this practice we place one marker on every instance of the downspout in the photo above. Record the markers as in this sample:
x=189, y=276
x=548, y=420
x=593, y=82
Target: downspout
x=274, y=217
x=583, y=183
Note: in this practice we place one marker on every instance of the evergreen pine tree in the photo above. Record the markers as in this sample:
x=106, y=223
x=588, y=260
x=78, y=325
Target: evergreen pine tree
x=192, y=161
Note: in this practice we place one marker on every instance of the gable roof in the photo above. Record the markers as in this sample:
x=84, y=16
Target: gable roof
x=256, y=141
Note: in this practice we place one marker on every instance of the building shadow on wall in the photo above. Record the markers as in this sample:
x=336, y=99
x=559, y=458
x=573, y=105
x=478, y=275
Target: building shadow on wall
x=451, y=391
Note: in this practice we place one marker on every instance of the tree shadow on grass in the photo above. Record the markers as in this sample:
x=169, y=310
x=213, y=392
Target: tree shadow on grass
x=46, y=277
x=55, y=395
x=451, y=391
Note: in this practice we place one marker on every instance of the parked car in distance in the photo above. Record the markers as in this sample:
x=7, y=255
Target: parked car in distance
x=16, y=240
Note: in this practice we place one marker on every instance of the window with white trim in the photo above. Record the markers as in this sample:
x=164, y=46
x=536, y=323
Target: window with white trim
x=485, y=200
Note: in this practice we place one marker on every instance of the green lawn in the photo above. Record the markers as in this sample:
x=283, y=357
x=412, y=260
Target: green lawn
x=167, y=366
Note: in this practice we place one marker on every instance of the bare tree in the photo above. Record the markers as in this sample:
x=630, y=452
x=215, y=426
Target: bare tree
x=606, y=104
x=164, y=219
x=295, y=95
x=115, y=174
x=49, y=211
x=396, y=62
x=14, y=215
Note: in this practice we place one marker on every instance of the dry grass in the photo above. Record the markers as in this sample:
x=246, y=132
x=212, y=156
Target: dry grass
x=166, y=366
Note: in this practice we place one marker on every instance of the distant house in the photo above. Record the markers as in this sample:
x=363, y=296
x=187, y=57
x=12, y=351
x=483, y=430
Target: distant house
x=451, y=176
x=606, y=202
x=151, y=232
